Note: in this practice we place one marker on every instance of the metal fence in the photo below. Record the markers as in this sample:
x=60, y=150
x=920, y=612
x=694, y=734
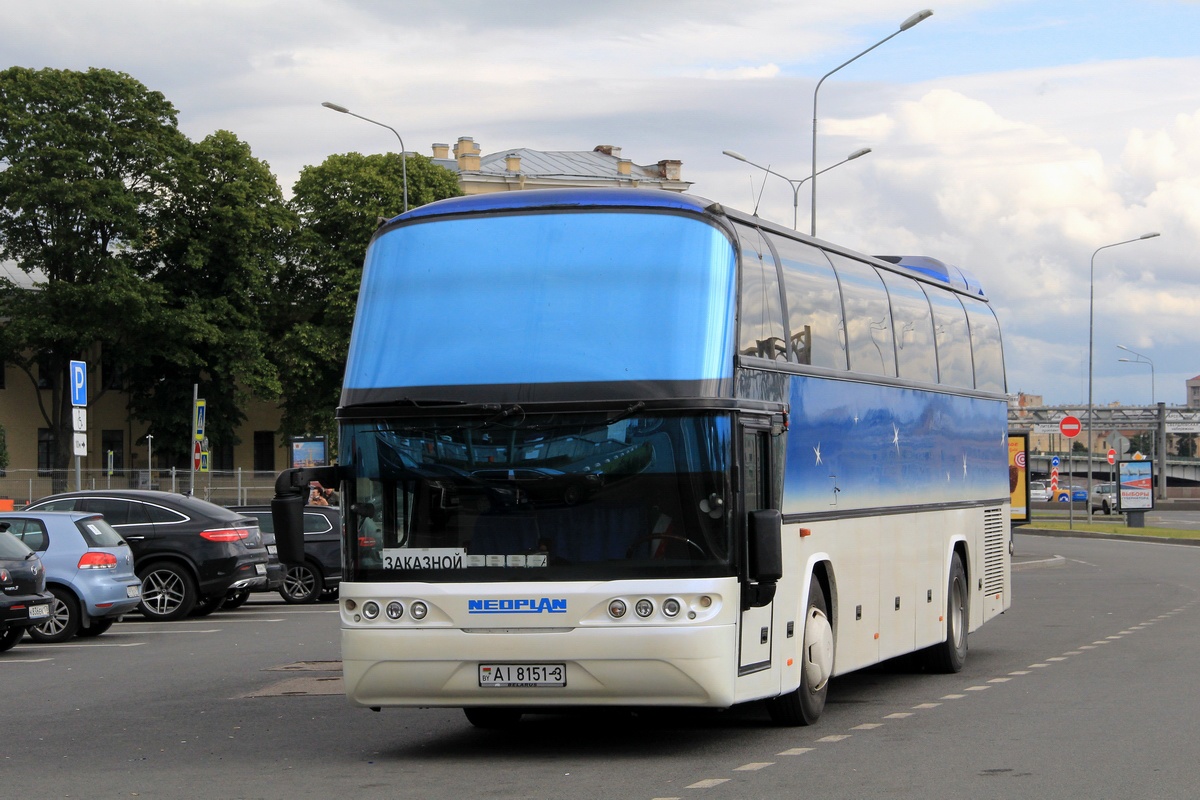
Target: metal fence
x=20, y=487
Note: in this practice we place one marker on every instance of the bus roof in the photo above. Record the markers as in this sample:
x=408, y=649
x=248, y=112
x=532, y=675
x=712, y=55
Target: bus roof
x=925, y=267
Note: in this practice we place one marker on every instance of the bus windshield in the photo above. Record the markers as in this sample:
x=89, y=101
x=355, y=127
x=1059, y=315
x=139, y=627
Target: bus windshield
x=518, y=496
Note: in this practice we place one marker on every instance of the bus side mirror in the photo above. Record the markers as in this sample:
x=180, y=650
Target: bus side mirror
x=766, y=557
x=287, y=513
x=287, y=507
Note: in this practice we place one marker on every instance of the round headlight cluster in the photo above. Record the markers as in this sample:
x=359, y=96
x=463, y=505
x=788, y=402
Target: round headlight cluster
x=644, y=608
x=394, y=609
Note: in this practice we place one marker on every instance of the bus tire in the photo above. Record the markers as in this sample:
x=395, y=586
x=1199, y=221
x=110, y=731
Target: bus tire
x=804, y=705
x=950, y=655
x=493, y=719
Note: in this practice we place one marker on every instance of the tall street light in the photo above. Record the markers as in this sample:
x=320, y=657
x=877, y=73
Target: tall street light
x=403, y=154
x=920, y=16
x=1141, y=359
x=796, y=184
x=1091, y=343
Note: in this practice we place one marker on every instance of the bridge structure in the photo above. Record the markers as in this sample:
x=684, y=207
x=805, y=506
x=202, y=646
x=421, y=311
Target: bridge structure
x=1107, y=421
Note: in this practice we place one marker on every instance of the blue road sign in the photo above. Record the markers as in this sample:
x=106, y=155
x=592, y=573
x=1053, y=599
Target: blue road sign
x=77, y=375
x=1054, y=461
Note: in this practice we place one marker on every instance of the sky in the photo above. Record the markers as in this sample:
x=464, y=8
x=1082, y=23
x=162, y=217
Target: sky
x=1013, y=138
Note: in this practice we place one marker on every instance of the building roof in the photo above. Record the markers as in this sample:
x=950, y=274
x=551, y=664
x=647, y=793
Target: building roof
x=525, y=167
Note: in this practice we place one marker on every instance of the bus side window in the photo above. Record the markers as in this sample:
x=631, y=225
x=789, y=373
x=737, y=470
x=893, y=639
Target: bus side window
x=953, y=339
x=761, y=332
x=985, y=345
x=868, y=317
x=915, y=351
x=814, y=305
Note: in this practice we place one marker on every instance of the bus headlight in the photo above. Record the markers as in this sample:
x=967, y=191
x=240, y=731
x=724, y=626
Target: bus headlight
x=671, y=606
x=370, y=609
x=644, y=608
x=395, y=610
x=616, y=609
x=418, y=610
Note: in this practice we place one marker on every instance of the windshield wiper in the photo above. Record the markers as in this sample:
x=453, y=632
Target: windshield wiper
x=628, y=412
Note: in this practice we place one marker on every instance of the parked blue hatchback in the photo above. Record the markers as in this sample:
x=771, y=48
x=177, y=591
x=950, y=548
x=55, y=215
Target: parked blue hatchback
x=89, y=570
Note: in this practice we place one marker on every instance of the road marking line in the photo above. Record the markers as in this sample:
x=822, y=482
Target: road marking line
x=836, y=737
x=753, y=766
x=796, y=751
x=867, y=726
x=977, y=688
x=899, y=715
x=924, y=706
x=707, y=783
x=952, y=697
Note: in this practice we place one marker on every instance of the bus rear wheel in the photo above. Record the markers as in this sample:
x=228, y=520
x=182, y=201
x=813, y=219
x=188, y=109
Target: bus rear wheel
x=950, y=655
x=804, y=705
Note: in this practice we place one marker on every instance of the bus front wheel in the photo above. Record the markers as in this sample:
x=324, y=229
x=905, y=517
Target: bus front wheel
x=804, y=705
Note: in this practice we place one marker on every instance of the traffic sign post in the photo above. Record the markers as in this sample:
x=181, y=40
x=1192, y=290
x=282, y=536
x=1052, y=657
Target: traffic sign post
x=77, y=381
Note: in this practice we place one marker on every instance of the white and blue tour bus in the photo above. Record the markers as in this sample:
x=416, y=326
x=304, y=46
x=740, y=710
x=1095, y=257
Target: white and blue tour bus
x=623, y=447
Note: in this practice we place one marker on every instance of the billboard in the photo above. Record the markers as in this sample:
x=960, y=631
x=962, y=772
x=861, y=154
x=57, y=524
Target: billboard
x=1018, y=476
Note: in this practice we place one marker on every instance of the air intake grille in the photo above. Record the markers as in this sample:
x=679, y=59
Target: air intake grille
x=995, y=545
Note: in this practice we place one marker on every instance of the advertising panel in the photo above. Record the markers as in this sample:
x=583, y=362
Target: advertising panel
x=1018, y=477
x=309, y=452
x=1135, y=486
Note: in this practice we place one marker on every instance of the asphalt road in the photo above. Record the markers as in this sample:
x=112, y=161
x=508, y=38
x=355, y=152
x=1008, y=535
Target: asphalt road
x=1084, y=689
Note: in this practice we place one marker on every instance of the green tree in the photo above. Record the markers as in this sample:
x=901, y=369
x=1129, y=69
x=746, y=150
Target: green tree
x=340, y=203
x=1185, y=446
x=219, y=246
x=3, y=450
x=87, y=159
x=1140, y=443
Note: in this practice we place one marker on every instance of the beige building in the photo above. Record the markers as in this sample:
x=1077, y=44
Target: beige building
x=262, y=452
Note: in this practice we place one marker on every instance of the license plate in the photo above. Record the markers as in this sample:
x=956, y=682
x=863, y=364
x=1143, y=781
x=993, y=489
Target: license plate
x=261, y=569
x=271, y=549
x=522, y=674
x=132, y=591
x=40, y=611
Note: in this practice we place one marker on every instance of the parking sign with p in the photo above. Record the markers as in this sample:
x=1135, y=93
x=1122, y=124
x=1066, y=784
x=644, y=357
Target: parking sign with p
x=77, y=375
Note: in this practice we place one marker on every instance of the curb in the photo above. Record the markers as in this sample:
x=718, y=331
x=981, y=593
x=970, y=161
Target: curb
x=1125, y=537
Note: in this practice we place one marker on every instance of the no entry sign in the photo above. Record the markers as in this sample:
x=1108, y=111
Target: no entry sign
x=1069, y=427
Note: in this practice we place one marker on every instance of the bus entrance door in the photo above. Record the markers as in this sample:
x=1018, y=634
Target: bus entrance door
x=754, y=650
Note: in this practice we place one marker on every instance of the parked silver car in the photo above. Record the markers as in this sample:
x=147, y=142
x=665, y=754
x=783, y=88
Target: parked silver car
x=89, y=570
x=1039, y=492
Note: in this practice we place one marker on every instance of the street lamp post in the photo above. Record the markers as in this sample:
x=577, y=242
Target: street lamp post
x=1091, y=343
x=796, y=184
x=1141, y=359
x=403, y=153
x=908, y=23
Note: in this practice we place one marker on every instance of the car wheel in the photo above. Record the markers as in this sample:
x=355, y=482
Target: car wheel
x=1107, y=508
x=97, y=627
x=235, y=599
x=207, y=605
x=167, y=592
x=10, y=637
x=63, y=622
x=301, y=584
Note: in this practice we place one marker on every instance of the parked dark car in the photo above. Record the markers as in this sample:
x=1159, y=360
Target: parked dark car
x=89, y=570
x=24, y=600
x=318, y=577
x=188, y=552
